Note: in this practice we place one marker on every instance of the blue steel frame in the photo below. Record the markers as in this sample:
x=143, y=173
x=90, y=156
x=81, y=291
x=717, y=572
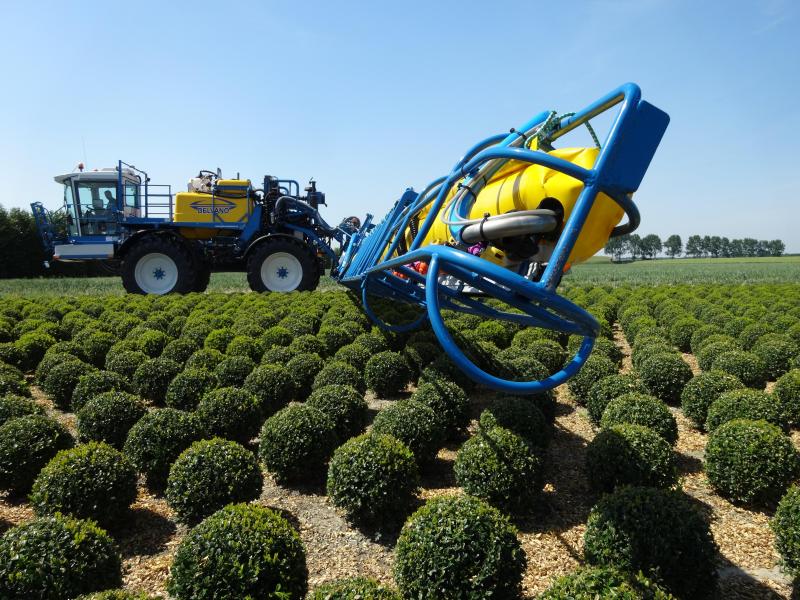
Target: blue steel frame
x=371, y=264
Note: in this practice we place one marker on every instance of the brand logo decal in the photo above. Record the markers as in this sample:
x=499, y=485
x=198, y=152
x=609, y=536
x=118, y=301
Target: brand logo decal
x=216, y=207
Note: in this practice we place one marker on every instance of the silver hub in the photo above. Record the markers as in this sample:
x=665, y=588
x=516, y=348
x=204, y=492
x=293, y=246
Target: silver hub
x=281, y=272
x=156, y=273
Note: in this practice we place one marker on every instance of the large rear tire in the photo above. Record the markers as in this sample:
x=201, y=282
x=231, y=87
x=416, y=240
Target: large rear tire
x=282, y=264
x=159, y=264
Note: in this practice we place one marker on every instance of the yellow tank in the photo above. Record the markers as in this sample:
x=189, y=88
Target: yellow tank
x=522, y=186
x=231, y=203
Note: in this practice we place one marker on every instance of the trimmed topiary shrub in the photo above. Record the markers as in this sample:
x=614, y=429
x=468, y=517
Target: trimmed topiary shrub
x=596, y=368
x=188, y=387
x=152, y=342
x=296, y=442
x=125, y=362
x=152, y=378
x=745, y=366
x=443, y=368
x=711, y=350
x=787, y=391
x=681, y=331
x=273, y=385
x=96, y=346
x=641, y=409
x=180, y=350
x=60, y=381
x=448, y=401
x=387, y=373
x=594, y=583
x=420, y=355
x=303, y=368
x=26, y=445
x=414, y=424
x=745, y=404
x=751, y=333
x=657, y=532
x=630, y=455
x=356, y=588
x=205, y=358
x=276, y=336
x=230, y=413
x=786, y=526
x=156, y=440
x=702, y=390
x=233, y=371
x=373, y=478
x=499, y=467
x=108, y=417
x=339, y=373
x=608, y=388
x=241, y=551
x=353, y=354
x=31, y=347
x=277, y=355
x=751, y=462
x=520, y=415
x=308, y=344
x=51, y=359
x=12, y=381
x=344, y=405
x=210, y=474
x=246, y=346
x=95, y=383
x=12, y=406
x=219, y=339
x=665, y=375
x=458, y=547
x=57, y=557
x=777, y=352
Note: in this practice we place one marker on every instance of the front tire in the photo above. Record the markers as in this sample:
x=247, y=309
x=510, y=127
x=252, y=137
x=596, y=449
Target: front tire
x=158, y=265
x=282, y=265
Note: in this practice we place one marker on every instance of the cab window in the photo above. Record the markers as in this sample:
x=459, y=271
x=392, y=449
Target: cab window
x=96, y=197
x=131, y=195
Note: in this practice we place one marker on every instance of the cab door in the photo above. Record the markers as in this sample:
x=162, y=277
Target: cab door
x=97, y=207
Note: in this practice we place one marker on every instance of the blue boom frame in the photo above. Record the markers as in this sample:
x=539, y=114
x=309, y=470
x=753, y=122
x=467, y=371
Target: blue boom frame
x=367, y=264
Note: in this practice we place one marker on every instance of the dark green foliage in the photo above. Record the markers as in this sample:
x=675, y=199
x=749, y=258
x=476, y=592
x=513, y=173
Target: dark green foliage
x=700, y=335
x=10, y=354
x=777, y=352
x=420, y=355
x=373, y=478
x=241, y=551
x=125, y=362
x=188, y=386
x=31, y=347
x=96, y=346
x=152, y=342
x=246, y=346
x=12, y=381
x=702, y=390
x=745, y=366
x=387, y=373
x=276, y=336
x=608, y=388
x=629, y=455
x=108, y=417
x=681, y=331
x=495, y=332
x=353, y=354
x=751, y=333
x=665, y=375
x=373, y=341
x=339, y=373
x=12, y=406
x=210, y=474
x=60, y=381
x=57, y=353
x=443, y=368
x=26, y=445
x=219, y=339
x=308, y=344
x=296, y=442
x=344, y=405
x=522, y=368
x=547, y=352
x=786, y=526
x=303, y=368
x=117, y=595
x=272, y=385
x=51, y=558
x=277, y=355
x=230, y=413
x=657, y=532
x=648, y=349
x=414, y=424
x=751, y=462
x=91, y=481
x=156, y=440
x=152, y=378
x=787, y=391
x=745, y=404
x=458, y=547
x=97, y=382
x=233, y=370
x=641, y=409
x=499, y=467
x=596, y=583
x=334, y=337
x=356, y=588
x=520, y=415
x=596, y=368
x=180, y=350
x=711, y=350
x=205, y=358
x=448, y=401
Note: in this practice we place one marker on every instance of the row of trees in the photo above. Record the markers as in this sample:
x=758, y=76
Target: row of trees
x=649, y=246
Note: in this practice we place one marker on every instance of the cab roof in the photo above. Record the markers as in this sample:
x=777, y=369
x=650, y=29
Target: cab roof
x=107, y=174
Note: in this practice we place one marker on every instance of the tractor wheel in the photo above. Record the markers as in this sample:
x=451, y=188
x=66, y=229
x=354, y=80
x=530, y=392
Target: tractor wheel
x=203, y=276
x=159, y=265
x=282, y=264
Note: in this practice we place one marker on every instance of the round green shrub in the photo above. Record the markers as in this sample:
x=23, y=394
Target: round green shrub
x=629, y=455
x=648, y=349
x=420, y=355
x=414, y=424
x=125, y=362
x=12, y=406
x=443, y=368
x=219, y=339
x=210, y=474
x=596, y=368
x=296, y=442
x=448, y=401
x=179, y=350
x=608, y=388
x=520, y=415
x=657, y=532
x=700, y=335
x=89, y=481
x=233, y=370
x=500, y=467
x=750, y=334
x=277, y=355
x=108, y=417
x=344, y=405
x=702, y=390
x=247, y=347
x=334, y=337
x=230, y=413
x=241, y=551
x=387, y=373
x=787, y=391
x=641, y=409
x=547, y=352
x=356, y=588
x=152, y=342
x=156, y=440
x=117, y=595
x=152, y=378
x=353, y=354
x=594, y=583
x=710, y=351
x=745, y=404
x=31, y=347
x=95, y=383
x=57, y=557
x=205, y=358
x=495, y=332
x=60, y=382
x=303, y=368
x=276, y=336
x=745, y=366
x=786, y=526
x=458, y=547
x=308, y=344
x=339, y=373
x=751, y=462
x=96, y=346
x=12, y=381
x=26, y=445
x=188, y=387
x=51, y=359
x=665, y=375
x=776, y=352
x=373, y=478
x=273, y=385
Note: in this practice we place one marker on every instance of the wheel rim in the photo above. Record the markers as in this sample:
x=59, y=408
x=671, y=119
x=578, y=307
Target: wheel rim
x=281, y=272
x=156, y=273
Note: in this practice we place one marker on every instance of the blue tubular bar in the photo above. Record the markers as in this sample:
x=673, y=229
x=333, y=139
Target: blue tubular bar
x=374, y=264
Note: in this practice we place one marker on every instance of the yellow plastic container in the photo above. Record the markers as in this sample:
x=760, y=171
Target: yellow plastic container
x=194, y=207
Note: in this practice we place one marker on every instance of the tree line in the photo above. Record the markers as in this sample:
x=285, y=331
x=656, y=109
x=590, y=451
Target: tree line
x=713, y=246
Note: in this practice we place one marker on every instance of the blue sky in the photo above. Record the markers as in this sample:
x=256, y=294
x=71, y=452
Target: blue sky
x=372, y=97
